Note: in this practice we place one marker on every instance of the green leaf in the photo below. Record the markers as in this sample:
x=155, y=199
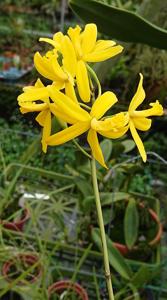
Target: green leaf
x=120, y=24
x=146, y=274
x=106, y=198
x=118, y=149
x=136, y=295
x=124, y=293
x=88, y=203
x=84, y=187
x=85, y=169
x=30, y=151
x=129, y=145
x=109, y=198
x=107, y=214
x=141, y=277
x=116, y=260
x=106, y=146
x=33, y=148
x=131, y=223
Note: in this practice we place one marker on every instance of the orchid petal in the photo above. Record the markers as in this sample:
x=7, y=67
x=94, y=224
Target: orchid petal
x=102, y=45
x=57, y=69
x=70, y=91
x=49, y=41
x=142, y=123
x=68, y=106
x=114, y=134
x=41, y=117
x=111, y=123
x=97, y=56
x=38, y=83
x=31, y=107
x=139, y=96
x=95, y=147
x=33, y=94
x=83, y=81
x=58, y=38
x=43, y=67
x=46, y=128
x=155, y=110
x=88, y=38
x=138, y=141
x=74, y=34
x=103, y=104
x=59, y=85
x=69, y=56
x=56, y=111
x=68, y=134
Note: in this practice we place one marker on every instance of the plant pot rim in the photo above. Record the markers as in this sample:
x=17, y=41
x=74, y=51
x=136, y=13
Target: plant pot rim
x=18, y=224
x=65, y=284
x=26, y=257
x=124, y=249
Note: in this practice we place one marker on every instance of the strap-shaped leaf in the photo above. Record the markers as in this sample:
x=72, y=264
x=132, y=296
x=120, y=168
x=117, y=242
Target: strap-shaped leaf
x=109, y=198
x=120, y=24
x=145, y=274
x=106, y=198
x=129, y=145
x=124, y=293
x=116, y=260
x=131, y=223
x=106, y=146
x=142, y=276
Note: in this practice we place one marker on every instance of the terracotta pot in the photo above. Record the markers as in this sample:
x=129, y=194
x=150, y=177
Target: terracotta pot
x=17, y=225
x=124, y=249
x=63, y=285
x=29, y=259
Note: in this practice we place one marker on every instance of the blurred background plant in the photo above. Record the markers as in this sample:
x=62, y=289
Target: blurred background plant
x=56, y=189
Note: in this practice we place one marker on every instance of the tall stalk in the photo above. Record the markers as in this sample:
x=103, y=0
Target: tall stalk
x=102, y=230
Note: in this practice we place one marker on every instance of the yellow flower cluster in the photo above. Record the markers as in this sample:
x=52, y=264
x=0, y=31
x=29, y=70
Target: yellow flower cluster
x=70, y=95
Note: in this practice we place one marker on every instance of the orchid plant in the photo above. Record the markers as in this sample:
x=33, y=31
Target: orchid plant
x=71, y=98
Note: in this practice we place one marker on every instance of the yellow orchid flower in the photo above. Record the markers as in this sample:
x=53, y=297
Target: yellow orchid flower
x=61, y=74
x=27, y=104
x=87, y=49
x=138, y=119
x=56, y=42
x=82, y=121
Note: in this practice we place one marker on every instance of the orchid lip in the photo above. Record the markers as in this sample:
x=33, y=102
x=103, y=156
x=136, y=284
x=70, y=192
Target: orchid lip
x=93, y=123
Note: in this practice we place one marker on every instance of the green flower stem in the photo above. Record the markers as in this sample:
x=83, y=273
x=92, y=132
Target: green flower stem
x=81, y=149
x=94, y=76
x=102, y=230
x=85, y=106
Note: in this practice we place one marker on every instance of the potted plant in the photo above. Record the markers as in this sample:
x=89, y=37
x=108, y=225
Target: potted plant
x=155, y=222
x=24, y=267
x=14, y=214
x=67, y=290
x=135, y=226
x=14, y=221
